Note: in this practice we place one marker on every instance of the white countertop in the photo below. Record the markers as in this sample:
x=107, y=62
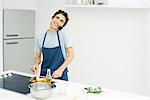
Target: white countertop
x=72, y=91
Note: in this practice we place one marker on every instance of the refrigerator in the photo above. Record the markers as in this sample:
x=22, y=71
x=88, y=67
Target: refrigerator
x=18, y=39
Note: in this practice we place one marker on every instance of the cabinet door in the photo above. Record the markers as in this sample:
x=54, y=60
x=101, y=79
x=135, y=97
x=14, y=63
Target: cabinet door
x=1, y=45
x=19, y=23
x=20, y=4
x=18, y=55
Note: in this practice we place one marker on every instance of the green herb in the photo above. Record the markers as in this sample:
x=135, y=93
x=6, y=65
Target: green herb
x=94, y=90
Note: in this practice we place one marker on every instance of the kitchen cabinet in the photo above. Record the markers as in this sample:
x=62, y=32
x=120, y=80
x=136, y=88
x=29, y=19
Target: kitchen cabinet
x=16, y=58
x=18, y=39
x=19, y=4
x=18, y=23
x=112, y=4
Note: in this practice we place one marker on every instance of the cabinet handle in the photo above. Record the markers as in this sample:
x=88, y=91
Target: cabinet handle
x=12, y=43
x=12, y=35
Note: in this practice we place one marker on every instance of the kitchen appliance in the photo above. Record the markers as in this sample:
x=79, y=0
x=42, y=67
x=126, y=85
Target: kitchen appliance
x=18, y=39
x=17, y=83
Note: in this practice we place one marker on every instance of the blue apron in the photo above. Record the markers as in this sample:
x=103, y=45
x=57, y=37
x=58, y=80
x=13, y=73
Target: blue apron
x=53, y=59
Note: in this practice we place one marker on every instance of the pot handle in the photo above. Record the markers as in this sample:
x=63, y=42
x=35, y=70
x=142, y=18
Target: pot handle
x=29, y=85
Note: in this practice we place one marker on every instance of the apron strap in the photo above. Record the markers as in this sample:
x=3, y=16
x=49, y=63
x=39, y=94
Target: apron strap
x=44, y=39
x=58, y=38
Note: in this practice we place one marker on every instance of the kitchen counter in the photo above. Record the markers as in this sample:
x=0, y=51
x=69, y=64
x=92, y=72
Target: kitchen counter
x=71, y=91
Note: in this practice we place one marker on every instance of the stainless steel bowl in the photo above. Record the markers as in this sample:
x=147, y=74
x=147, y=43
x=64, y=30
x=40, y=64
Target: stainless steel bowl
x=40, y=90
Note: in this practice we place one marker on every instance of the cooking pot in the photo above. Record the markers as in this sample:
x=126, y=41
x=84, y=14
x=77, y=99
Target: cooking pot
x=40, y=90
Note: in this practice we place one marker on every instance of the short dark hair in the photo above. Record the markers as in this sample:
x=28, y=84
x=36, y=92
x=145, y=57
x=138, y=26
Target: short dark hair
x=63, y=13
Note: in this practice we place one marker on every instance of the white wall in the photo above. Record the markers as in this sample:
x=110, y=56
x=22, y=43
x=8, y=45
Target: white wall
x=110, y=45
x=45, y=10
x=1, y=31
x=148, y=50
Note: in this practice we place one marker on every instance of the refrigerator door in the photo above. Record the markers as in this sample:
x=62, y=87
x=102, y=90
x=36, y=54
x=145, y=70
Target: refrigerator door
x=18, y=23
x=18, y=54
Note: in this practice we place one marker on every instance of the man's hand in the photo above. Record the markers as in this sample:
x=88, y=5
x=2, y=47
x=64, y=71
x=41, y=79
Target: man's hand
x=57, y=73
x=35, y=68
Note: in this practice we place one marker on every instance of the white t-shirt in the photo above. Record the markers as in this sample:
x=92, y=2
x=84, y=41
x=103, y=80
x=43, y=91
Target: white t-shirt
x=51, y=41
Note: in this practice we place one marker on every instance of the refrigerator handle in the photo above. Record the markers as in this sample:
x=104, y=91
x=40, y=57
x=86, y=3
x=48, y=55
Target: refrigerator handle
x=12, y=43
x=10, y=35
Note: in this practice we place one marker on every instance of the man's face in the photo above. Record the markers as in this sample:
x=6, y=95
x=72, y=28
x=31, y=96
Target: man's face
x=58, y=21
